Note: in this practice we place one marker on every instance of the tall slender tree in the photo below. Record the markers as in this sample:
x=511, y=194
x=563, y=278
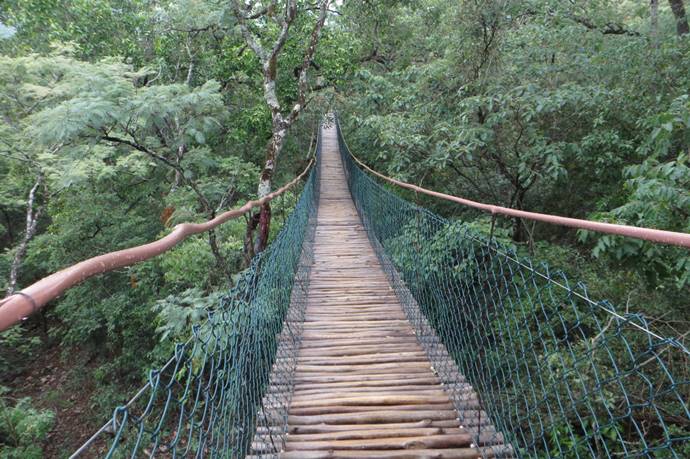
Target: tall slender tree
x=654, y=22
x=678, y=9
x=33, y=214
x=268, y=51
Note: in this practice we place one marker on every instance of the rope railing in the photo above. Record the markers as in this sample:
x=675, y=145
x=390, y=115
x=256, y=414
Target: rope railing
x=225, y=391
x=556, y=372
x=19, y=306
x=646, y=234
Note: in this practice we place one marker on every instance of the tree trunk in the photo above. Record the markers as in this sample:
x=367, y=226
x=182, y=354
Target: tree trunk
x=29, y=232
x=179, y=156
x=266, y=182
x=221, y=262
x=519, y=230
x=264, y=228
x=252, y=223
x=654, y=22
x=519, y=233
x=678, y=9
x=8, y=223
x=280, y=123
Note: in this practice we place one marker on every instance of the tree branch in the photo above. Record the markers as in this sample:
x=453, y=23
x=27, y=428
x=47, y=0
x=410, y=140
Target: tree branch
x=32, y=217
x=306, y=61
x=251, y=40
x=609, y=28
x=290, y=13
x=202, y=199
x=143, y=149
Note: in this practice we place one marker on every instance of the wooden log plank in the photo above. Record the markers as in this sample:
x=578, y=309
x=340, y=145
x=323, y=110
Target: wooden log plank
x=375, y=417
x=361, y=377
x=374, y=433
x=442, y=441
x=367, y=359
x=334, y=409
x=382, y=387
x=316, y=343
x=363, y=398
x=323, y=428
x=454, y=453
x=370, y=384
x=360, y=350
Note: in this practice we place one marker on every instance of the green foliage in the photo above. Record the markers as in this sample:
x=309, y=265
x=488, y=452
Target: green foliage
x=549, y=106
x=15, y=348
x=22, y=428
x=96, y=26
x=557, y=370
x=178, y=313
x=142, y=115
x=657, y=196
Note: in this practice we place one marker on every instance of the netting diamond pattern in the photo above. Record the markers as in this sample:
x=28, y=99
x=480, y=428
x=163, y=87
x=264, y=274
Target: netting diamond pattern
x=233, y=377
x=557, y=373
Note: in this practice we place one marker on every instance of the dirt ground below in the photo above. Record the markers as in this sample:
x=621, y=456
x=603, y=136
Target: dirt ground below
x=63, y=384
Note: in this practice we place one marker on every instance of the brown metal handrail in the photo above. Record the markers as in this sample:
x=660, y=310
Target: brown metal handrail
x=647, y=234
x=17, y=307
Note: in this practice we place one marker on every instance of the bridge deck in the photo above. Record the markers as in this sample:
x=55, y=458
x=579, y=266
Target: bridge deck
x=364, y=386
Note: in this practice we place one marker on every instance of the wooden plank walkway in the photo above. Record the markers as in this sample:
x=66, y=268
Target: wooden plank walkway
x=364, y=386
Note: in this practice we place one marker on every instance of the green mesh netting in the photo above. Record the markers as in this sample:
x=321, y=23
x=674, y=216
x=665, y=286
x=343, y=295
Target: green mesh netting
x=233, y=377
x=557, y=373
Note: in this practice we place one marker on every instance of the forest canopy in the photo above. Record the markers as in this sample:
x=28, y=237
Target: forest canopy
x=122, y=118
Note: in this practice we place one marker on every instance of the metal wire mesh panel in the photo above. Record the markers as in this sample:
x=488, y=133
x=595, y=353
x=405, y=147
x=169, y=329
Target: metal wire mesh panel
x=207, y=400
x=556, y=372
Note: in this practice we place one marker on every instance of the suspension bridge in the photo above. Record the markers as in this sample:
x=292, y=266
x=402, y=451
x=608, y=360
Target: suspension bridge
x=373, y=328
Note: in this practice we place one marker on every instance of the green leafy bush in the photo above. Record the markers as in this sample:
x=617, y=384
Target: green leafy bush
x=22, y=428
x=15, y=346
